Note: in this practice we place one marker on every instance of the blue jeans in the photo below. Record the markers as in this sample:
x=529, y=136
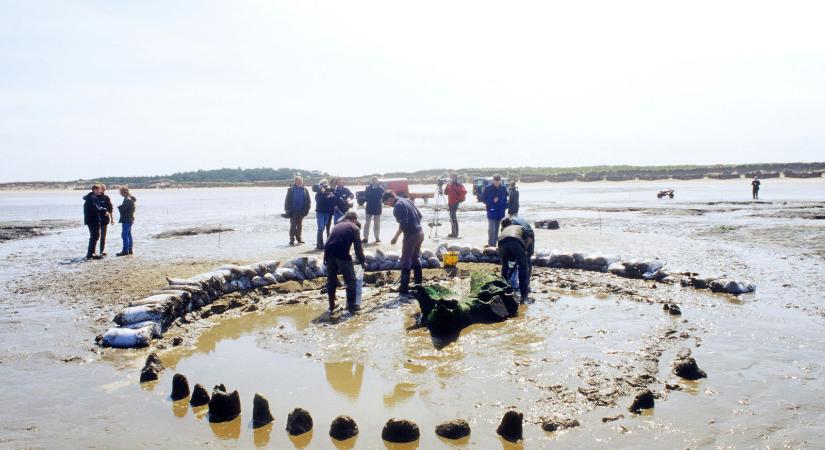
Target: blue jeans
x=126, y=235
x=493, y=227
x=321, y=219
x=337, y=216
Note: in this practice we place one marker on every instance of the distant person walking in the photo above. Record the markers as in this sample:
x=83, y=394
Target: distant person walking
x=512, y=200
x=94, y=212
x=373, y=195
x=456, y=193
x=337, y=258
x=409, y=223
x=297, y=205
x=495, y=199
x=324, y=208
x=755, y=186
x=104, y=225
x=343, y=198
x=127, y=218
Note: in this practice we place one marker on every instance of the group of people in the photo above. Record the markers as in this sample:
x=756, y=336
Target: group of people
x=332, y=201
x=515, y=241
x=97, y=215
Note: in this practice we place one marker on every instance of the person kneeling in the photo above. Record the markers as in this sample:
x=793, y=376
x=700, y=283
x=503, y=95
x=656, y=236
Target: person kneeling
x=513, y=243
x=345, y=234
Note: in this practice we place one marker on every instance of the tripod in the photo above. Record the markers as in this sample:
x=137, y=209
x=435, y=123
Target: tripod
x=439, y=204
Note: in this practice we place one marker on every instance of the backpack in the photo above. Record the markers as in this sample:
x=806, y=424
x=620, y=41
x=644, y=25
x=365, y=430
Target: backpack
x=462, y=195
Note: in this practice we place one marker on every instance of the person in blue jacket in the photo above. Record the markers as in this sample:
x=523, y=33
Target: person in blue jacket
x=495, y=198
x=343, y=199
x=373, y=195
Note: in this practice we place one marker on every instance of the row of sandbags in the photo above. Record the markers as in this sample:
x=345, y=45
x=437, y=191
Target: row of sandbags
x=146, y=319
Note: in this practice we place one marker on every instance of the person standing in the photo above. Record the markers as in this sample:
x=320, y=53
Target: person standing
x=373, y=195
x=495, y=199
x=104, y=225
x=409, y=223
x=324, y=207
x=127, y=218
x=755, y=186
x=337, y=258
x=343, y=199
x=297, y=205
x=94, y=211
x=512, y=248
x=456, y=193
x=512, y=200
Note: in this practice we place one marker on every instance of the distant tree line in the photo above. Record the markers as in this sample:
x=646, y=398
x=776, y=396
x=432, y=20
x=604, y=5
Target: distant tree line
x=226, y=175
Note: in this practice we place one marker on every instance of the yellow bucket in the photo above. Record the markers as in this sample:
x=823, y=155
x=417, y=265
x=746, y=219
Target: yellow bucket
x=450, y=259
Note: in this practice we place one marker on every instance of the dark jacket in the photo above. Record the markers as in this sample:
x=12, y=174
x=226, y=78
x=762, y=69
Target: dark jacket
x=407, y=216
x=512, y=202
x=324, y=201
x=529, y=235
x=373, y=196
x=342, y=194
x=344, y=236
x=495, y=210
x=289, y=203
x=107, y=203
x=127, y=210
x=94, y=210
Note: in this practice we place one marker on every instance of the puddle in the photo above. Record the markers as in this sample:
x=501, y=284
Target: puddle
x=377, y=365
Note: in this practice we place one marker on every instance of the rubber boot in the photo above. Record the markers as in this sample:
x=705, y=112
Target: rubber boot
x=404, y=289
x=320, y=240
x=417, y=275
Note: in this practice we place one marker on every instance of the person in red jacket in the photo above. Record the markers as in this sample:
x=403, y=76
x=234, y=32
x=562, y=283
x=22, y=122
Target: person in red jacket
x=456, y=192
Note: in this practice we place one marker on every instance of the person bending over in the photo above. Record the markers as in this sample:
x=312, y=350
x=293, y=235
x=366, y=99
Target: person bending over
x=345, y=234
x=512, y=248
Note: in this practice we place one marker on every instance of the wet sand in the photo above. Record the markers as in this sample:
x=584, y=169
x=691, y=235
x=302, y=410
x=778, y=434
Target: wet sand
x=582, y=349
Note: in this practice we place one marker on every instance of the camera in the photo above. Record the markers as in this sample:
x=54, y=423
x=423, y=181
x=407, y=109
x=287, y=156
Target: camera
x=440, y=182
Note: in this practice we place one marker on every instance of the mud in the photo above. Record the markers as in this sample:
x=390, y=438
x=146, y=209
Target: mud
x=25, y=230
x=192, y=231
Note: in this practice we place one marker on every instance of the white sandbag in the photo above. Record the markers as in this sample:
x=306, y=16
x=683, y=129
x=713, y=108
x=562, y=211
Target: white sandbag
x=427, y=253
x=386, y=265
x=440, y=250
x=731, y=286
x=127, y=337
x=561, y=260
x=477, y=251
x=379, y=255
x=312, y=262
x=300, y=262
x=543, y=253
x=490, y=251
x=270, y=278
x=154, y=326
x=286, y=273
x=455, y=246
x=617, y=268
x=369, y=257
x=134, y=314
x=434, y=263
x=392, y=256
x=260, y=281
x=424, y=263
x=466, y=249
x=162, y=299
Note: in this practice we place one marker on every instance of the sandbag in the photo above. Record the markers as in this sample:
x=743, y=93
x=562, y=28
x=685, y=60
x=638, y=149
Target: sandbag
x=153, y=326
x=127, y=337
x=260, y=281
x=477, y=251
x=427, y=253
x=491, y=251
x=440, y=250
x=731, y=286
x=434, y=262
x=369, y=257
x=161, y=299
x=392, y=256
x=286, y=273
x=270, y=279
x=133, y=314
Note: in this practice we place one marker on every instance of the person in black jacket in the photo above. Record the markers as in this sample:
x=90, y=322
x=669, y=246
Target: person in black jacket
x=107, y=219
x=337, y=258
x=373, y=195
x=127, y=218
x=94, y=211
x=512, y=200
x=297, y=205
x=344, y=198
x=324, y=208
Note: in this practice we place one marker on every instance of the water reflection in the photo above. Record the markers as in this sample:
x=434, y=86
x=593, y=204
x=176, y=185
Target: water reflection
x=344, y=445
x=401, y=392
x=397, y=446
x=302, y=440
x=345, y=378
x=227, y=430
x=260, y=436
x=200, y=412
x=180, y=407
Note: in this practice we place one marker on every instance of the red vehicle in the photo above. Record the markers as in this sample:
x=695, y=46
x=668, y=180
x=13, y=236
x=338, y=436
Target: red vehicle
x=398, y=185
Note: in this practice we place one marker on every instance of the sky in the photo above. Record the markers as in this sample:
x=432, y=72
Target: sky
x=113, y=88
